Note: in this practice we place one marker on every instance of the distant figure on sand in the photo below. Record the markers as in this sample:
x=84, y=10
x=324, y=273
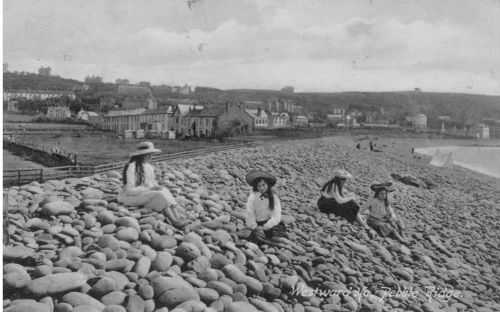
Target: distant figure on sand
x=140, y=187
x=335, y=200
x=358, y=146
x=371, y=146
x=381, y=216
x=263, y=206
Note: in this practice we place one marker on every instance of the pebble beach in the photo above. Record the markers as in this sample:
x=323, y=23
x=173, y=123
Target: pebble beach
x=74, y=248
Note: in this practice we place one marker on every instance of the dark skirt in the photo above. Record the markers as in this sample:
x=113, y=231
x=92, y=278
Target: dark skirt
x=347, y=210
x=384, y=226
x=277, y=230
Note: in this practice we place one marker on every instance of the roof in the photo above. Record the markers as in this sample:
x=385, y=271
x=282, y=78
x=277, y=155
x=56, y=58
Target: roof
x=159, y=110
x=274, y=114
x=213, y=111
x=93, y=114
x=255, y=112
x=184, y=108
x=38, y=91
x=57, y=108
x=334, y=116
x=128, y=112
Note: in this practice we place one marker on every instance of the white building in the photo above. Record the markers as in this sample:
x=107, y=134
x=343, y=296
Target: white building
x=121, y=120
x=279, y=120
x=186, y=90
x=481, y=131
x=417, y=121
x=12, y=106
x=260, y=117
x=91, y=117
x=58, y=112
x=36, y=94
x=155, y=120
x=300, y=121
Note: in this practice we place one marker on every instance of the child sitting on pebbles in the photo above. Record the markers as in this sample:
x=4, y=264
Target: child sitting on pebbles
x=263, y=206
x=381, y=216
x=334, y=198
x=140, y=187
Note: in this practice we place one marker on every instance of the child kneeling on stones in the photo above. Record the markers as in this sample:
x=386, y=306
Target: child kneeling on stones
x=381, y=216
x=140, y=187
x=263, y=206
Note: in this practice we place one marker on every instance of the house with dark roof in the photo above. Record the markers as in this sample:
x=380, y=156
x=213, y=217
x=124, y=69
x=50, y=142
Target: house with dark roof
x=91, y=117
x=223, y=119
x=58, y=112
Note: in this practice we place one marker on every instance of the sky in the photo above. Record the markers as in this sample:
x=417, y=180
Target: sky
x=312, y=45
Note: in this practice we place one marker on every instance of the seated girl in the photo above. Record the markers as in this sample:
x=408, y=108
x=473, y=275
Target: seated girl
x=263, y=206
x=140, y=187
x=335, y=200
x=381, y=216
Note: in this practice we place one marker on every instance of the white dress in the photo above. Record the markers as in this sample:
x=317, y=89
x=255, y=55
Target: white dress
x=144, y=195
x=258, y=211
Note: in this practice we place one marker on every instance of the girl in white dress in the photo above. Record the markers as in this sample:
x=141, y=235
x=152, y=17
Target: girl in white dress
x=140, y=187
x=263, y=206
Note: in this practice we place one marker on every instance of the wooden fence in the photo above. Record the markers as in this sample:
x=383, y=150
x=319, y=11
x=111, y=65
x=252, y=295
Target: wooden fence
x=24, y=176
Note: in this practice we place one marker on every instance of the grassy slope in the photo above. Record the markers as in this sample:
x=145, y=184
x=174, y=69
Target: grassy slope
x=106, y=148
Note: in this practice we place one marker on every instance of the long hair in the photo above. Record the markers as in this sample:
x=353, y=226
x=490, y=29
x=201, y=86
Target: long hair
x=269, y=192
x=139, y=170
x=328, y=185
x=386, y=200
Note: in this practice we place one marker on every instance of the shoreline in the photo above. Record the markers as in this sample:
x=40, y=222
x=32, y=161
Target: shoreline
x=458, y=152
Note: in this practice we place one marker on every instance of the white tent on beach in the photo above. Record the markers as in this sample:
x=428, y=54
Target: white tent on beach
x=442, y=160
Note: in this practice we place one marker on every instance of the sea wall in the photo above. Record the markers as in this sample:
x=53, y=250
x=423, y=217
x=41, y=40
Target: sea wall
x=42, y=155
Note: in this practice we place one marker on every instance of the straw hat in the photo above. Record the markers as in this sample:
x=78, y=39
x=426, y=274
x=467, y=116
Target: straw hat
x=145, y=148
x=340, y=173
x=387, y=186
x=257, y=174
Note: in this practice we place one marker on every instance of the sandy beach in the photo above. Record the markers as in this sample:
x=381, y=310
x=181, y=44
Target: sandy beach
x=129, y=259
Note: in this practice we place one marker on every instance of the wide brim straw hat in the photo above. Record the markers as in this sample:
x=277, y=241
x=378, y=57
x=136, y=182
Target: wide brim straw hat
x=341, y=173
x=145, y=148
x=258, y=174
x=387, y=186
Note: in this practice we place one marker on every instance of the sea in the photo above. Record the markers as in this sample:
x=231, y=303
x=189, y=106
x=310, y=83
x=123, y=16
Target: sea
x=482, y=159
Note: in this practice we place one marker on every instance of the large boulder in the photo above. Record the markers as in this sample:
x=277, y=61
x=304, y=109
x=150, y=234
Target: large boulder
x=171, y=291
x=56, y=208
x=56, y=283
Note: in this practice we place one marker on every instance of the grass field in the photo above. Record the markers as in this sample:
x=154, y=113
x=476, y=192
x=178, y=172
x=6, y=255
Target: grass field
x=37, y=126
x=13, y=117
x=95, y=149
x=11, y=162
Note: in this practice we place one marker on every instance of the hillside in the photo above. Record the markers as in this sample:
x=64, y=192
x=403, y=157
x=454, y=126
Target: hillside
x=465, y=108
x=461, y=107
x=37, y=82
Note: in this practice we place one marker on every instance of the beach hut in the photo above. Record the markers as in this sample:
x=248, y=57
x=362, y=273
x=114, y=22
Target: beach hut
x=442, y=160
x=139, y=134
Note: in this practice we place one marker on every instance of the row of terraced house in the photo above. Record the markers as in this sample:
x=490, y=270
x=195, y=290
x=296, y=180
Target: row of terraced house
x=183, y=119
x=200, y=120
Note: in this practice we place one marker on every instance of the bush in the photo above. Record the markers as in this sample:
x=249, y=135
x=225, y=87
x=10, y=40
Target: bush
x=43, y=119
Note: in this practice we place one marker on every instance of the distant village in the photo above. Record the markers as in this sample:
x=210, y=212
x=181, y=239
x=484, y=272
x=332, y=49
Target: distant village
x=142, y=110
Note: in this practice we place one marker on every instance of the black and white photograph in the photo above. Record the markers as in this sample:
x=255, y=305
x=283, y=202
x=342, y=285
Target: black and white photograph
x=251, y=155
